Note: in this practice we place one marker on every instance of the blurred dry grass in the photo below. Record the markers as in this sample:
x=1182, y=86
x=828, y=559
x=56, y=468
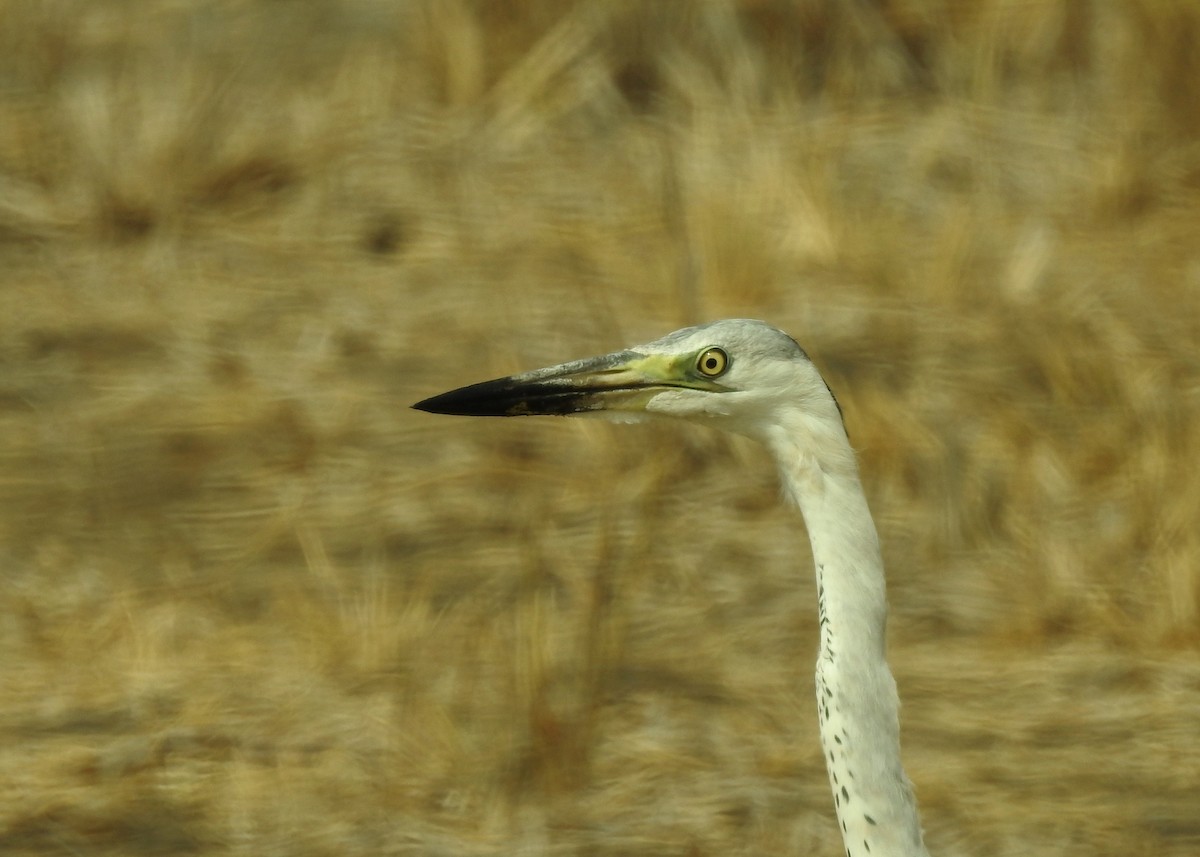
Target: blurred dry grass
x=251, y=604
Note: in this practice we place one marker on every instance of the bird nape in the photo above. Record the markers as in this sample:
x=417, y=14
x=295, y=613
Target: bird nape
x=752, y=379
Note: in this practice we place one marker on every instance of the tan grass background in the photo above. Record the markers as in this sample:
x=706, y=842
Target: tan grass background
x=252, y=604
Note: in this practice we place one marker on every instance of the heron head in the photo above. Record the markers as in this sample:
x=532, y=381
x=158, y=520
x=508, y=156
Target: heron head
x=738, y=374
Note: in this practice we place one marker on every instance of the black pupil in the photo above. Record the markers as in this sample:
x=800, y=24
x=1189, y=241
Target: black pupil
x=711, y=363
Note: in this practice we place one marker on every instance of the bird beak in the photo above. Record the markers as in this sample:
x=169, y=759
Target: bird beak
x=621, y=381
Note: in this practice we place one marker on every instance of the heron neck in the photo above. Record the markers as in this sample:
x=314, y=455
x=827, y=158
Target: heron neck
x=857, y=703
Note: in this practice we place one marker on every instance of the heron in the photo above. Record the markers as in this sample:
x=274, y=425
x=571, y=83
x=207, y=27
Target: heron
x=752, y=379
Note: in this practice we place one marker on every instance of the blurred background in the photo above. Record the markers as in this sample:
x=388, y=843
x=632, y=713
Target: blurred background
x=250, y=603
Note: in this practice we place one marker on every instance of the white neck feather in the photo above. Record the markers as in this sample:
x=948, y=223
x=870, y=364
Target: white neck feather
x=857, y=704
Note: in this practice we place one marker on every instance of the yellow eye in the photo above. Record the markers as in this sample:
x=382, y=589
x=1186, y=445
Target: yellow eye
x=712, y=362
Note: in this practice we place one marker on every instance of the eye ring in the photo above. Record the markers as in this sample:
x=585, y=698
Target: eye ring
x=712, y=362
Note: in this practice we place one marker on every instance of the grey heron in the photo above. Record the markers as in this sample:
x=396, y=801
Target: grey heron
x=752, y=379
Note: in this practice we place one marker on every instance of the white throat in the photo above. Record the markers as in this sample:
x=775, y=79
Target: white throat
x=857, y=704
